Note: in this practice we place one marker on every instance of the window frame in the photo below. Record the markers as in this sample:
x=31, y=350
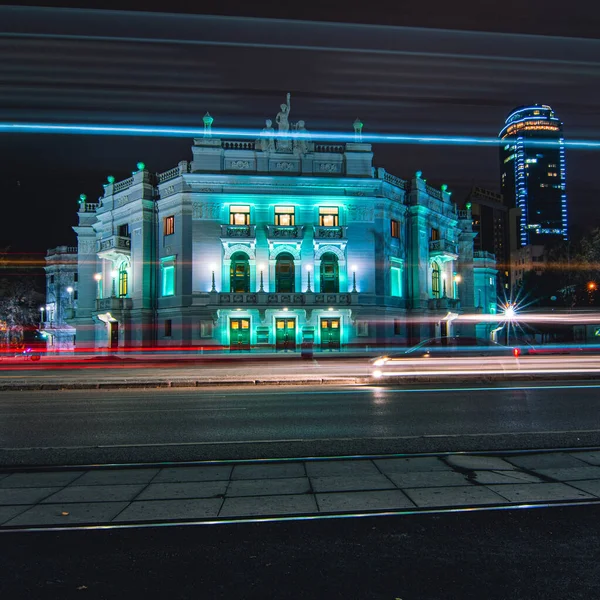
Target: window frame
x=242, y=209
x=395, y=228
x=285, y=211
x=169, y=225
x=335, y=215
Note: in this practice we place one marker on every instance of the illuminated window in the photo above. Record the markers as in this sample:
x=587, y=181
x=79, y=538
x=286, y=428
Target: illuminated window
x=328, y=217
x=168, y=277
x=396, y=280
x=169, y=225
x=168, y=327
x=239, y=215
x=435, y=234
x=284, y=216
x=395, y=226
x=435, y=280
x=123, y=280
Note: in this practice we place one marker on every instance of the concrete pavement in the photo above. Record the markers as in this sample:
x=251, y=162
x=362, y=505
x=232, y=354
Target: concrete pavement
x=227, y=490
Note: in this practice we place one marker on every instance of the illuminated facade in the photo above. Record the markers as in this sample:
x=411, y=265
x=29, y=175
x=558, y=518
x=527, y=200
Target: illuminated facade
x=533, y=173
x=272, y=243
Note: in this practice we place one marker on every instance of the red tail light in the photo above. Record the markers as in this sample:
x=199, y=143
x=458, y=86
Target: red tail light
x=516, y=352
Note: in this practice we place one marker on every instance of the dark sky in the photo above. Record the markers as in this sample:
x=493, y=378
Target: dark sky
x=433, y=74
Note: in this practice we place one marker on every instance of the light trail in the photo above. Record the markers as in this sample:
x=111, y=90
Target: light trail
x=256, y=134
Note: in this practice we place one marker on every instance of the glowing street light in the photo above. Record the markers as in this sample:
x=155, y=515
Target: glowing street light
x=70, y=292
x=509, y=314
x=308, y=269
x=444, y=276
x=591, y=286
x=262, y=268
x=212, y=269
x=354, y=279
x=98, y=278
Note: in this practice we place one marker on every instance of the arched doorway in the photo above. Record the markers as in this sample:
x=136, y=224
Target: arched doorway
x=239, y=273
x=285, y=273
x=330, y=273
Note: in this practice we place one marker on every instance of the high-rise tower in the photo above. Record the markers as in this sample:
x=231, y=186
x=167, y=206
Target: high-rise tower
x=533, y=173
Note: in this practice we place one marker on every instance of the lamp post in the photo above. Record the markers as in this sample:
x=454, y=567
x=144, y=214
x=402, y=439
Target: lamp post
x=98, y=278
x=444, y=276
x=509, y=314
x=262, y=267
x=114, y=274
x=308, y=269
x=41, y=316
x=354, y=279
x=70, y=292
x=457, y=280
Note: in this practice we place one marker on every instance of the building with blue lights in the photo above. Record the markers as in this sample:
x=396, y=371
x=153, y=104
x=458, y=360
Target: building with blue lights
x=533, y=173
x=273, y=243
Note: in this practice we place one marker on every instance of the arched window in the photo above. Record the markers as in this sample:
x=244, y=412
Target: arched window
x=123, y=280
x=284, y=273
x=239, y=273
x=435, y=280
x=330, y=273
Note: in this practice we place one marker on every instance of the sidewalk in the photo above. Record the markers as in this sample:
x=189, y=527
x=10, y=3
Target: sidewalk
x=310, y=487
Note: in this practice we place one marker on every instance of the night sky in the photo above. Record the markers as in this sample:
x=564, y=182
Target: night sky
x=110, y=67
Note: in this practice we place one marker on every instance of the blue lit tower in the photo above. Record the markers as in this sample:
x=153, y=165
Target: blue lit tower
x=533, y=168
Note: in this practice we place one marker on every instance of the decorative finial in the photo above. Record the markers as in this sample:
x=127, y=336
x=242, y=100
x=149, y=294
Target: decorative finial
x=468, y=205
x=208, y=121
x=444, y=187
x=82, y=198
x=418, y=174
x=141, y=166
x=111, y=179
x=358, y=125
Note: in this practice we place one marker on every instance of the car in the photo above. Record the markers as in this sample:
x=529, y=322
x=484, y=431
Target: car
x=445, y=347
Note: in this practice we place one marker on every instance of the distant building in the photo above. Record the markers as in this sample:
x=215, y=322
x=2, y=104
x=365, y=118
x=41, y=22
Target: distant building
x=528, y=259
x=533, y=173
x=61, y=298
x=272, y=243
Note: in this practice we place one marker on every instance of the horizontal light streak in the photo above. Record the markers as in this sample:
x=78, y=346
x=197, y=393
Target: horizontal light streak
x=321, y=136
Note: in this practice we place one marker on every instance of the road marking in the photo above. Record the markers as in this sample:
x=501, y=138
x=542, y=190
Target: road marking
x=108, y=411
x=305, y=440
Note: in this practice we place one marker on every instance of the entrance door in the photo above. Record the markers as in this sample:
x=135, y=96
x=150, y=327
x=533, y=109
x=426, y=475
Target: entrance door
x=239, y=334
x=330, y=334
x=114, y=335
x=285, y=334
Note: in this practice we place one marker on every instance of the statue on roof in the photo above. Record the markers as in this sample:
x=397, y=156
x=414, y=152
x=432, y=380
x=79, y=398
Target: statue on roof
x=301, y=141
x=282, y=118
x=267, y=135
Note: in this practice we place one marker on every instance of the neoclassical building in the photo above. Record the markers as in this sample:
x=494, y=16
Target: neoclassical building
x=271, y=243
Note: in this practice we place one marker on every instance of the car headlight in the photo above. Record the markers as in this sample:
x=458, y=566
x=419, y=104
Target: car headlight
x=381, y=361
x=377, y=374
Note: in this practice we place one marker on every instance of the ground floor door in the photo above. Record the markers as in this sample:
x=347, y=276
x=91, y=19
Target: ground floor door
x=330, y=334
x=285, y=335
x=239, y=334
x=114, y=334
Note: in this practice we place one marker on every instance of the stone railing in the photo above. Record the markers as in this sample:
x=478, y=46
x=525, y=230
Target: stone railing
x=287, y=232
x=114, y=304
x=86, y=207
x=395, y=181
x=114, y=242
x=443, y=303
x=239, y=145
x=170, y=174
x=284, y=299
x=238, y=231
x=324, y=233
x=62, y=250
x=122, y=185
x=433, y=192
x=463, y=214
x=442, y=247
x=332, y=148
x=484, y=254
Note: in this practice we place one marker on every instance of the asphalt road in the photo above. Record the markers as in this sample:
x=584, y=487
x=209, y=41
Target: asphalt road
x=533, y=554
x=117, y=426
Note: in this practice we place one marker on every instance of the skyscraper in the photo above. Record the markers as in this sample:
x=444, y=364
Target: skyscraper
x=533, y=173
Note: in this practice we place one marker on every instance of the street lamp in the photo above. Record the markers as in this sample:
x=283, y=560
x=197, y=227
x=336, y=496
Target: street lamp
x=261, y=267
x=70, y=292
x=212, y=269
x=308, y=269
x=98, y=278
x=457, y=280
x=354, y=279
x=509, y=314
x=41, y=316
x=444, y=285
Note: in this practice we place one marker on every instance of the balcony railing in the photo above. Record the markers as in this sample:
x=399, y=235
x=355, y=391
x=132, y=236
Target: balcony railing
x=295, y=232
x=330, y=233
x=484, y=254
x=443, y=247
x=115, y=244
x=238, y=231
x=443, y=303
x=114, y=304
x=283, y=299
